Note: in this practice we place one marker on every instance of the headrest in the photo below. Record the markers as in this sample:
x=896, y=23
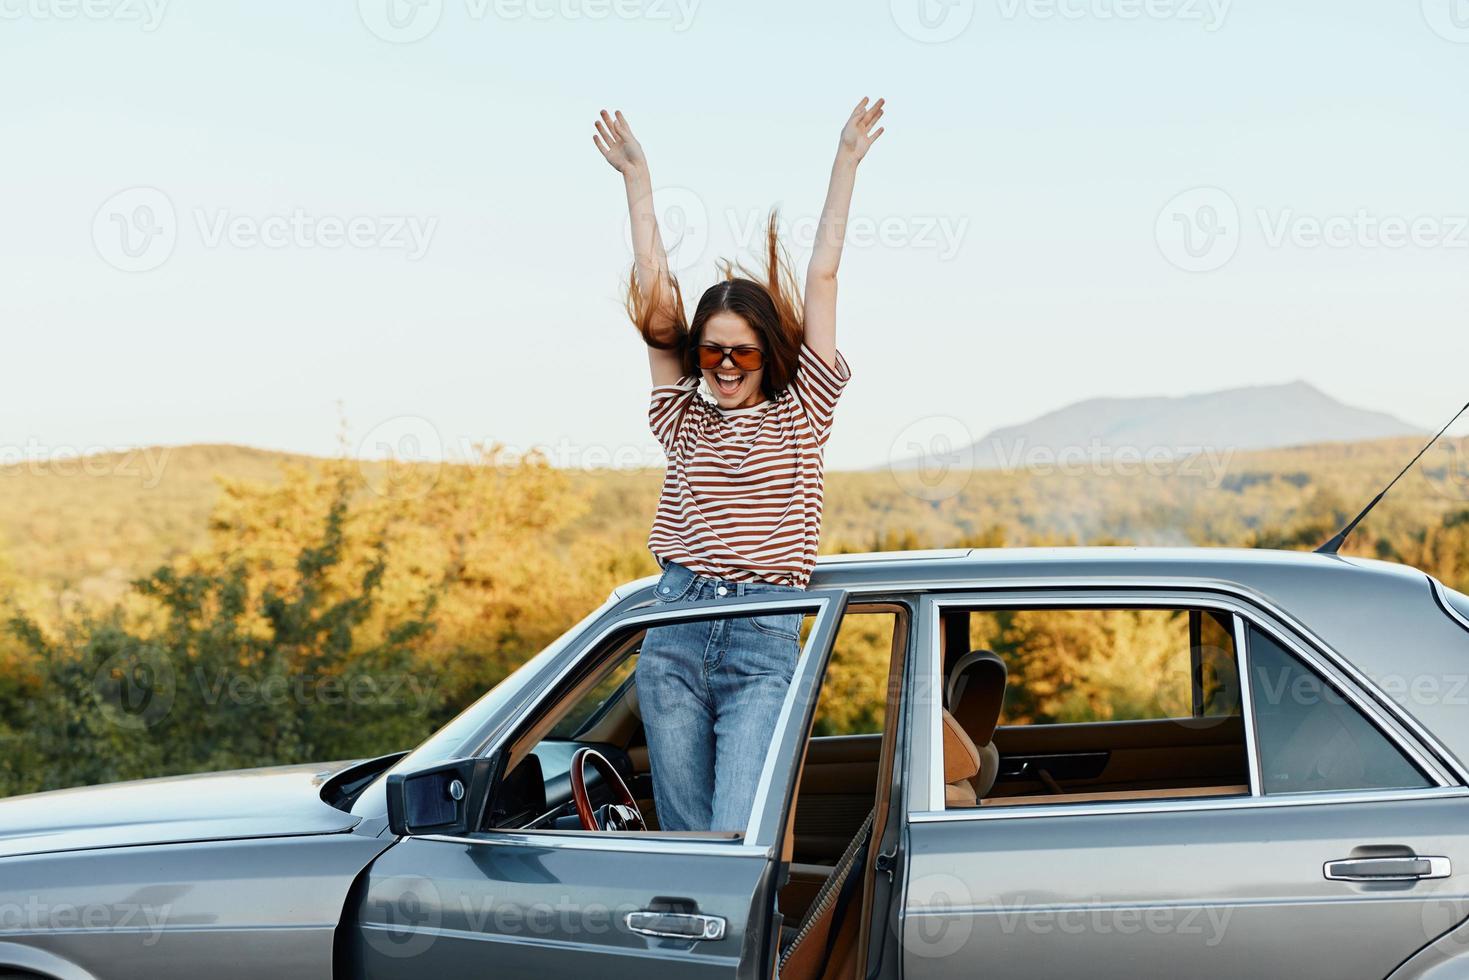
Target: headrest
x=975, y=693
x=961, y=757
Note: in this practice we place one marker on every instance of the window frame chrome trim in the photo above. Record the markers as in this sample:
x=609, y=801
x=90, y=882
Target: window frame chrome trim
x=1247, y=702
x=1439, y=765
x=1186, y=804
x=594, y=841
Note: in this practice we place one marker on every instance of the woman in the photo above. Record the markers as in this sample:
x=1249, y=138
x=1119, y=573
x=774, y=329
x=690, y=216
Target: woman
x=740, y=510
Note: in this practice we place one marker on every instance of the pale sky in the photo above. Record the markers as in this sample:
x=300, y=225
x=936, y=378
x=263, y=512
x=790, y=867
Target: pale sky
x=219, y=220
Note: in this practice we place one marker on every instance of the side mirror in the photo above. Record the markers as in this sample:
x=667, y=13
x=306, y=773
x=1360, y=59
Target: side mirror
x=449, y=798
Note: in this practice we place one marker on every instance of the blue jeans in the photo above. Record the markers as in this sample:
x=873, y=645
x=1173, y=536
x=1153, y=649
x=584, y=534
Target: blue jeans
x=710, y=693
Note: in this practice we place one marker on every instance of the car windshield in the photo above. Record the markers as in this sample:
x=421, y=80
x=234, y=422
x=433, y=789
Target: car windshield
x=448, y=742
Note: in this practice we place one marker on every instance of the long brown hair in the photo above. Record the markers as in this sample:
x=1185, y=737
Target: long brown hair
x=770, y=302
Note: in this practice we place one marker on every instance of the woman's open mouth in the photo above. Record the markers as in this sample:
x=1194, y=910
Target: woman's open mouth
x=728, y=384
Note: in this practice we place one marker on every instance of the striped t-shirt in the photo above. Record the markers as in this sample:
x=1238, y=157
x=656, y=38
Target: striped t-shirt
x=743, y=490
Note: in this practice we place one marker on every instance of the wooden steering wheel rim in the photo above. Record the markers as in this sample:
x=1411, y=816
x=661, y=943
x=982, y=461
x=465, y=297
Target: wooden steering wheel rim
x=583, y=801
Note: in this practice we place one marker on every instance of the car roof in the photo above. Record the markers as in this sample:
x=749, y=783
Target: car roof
x=952, y=567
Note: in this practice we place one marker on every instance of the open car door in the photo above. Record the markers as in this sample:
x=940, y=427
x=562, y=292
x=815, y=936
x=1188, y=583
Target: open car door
x=456, y=897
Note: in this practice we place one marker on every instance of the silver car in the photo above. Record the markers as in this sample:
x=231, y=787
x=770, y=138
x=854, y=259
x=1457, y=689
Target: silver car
x=1273, y=785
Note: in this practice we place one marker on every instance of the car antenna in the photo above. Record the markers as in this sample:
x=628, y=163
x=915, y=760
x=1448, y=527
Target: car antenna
x=1334, y=545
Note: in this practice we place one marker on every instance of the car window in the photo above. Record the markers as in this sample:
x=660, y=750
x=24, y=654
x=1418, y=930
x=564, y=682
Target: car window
x=595, y=703
x=1095, y=704
x=645, y=699
x=854, y=693
x=1108, y=664
x=1311, y=739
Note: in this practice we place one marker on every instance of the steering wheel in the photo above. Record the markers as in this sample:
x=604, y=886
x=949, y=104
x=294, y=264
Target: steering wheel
x=622, y=815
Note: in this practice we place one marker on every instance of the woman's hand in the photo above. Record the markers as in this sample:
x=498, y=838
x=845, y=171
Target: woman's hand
x=618, y=145
x=857, y=134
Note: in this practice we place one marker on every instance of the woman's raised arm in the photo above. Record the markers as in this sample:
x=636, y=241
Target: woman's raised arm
x=821, y=272
x=615, y=140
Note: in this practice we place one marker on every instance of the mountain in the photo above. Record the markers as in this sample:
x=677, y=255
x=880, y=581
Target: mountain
x=1261, y=417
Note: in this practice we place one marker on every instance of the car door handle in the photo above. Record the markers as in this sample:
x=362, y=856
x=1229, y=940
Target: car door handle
x=675, y=925
x=1409, y=868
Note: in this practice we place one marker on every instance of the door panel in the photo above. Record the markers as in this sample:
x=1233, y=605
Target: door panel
x=1208, y=888
x=521, y=908
x=538, y=902
x=1208, y=893
x=838, y=786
